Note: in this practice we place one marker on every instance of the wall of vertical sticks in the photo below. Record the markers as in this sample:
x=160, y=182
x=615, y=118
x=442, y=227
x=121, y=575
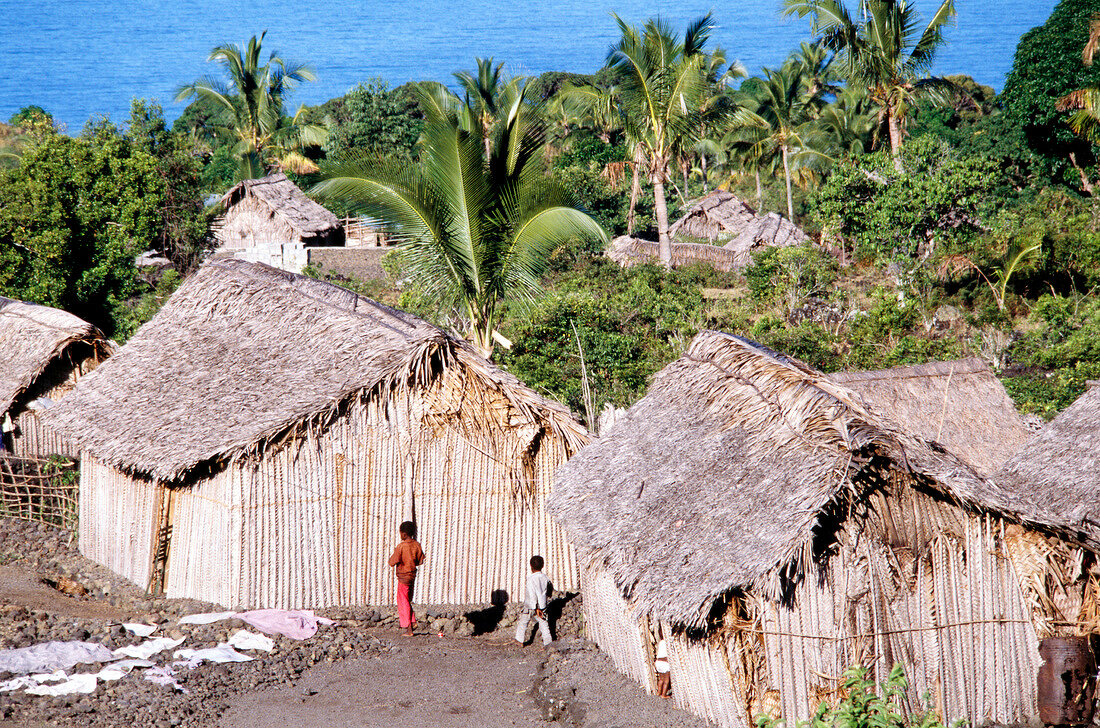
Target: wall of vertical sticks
x=959, y=599
x=312, y=523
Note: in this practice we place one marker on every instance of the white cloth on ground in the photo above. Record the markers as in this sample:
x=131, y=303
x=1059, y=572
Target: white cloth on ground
x=297, y=624
x=242, y=639
x=147, y=649
x=27, y=681
x=82, y=683
x=164, y=676
x=50, y=656
x=141, y=630
x=537, y=584
x=206, y=617
x=221, y=653
x=524, y=620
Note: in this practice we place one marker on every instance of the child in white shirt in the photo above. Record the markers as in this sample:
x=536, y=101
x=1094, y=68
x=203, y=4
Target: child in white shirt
x=535, y=603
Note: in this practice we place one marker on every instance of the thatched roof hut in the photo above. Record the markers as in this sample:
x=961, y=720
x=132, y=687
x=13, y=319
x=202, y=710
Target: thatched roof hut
x=270, y=220
x=767, y=231
x=627, y=252
x=258, y=442
x=43, y=352
x=778, y=529
x=959, y=404
x=1060, y=467
x=716, y=217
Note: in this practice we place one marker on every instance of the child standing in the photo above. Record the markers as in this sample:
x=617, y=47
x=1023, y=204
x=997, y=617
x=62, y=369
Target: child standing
x=535, y=603
x=664, y=681
x=406, y=557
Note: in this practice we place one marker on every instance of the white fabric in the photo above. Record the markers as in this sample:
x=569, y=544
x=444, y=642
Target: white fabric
x=164, y=676
x=524, y=620
x=221, y=653
x=141, y=630
x=82, y=683
x=26, y=681
x=147, y=649
x=127, y=665
x=50, y=656
x=297, y=624
x=662, y=650
x=206, y=617
x=537, y=584
x=245, y=640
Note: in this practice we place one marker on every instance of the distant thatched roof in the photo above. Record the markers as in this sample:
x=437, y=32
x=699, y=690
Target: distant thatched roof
x=1059, y=468
x=959, y=404
x=767, y=231
x=286, y=200
x=718, y=215
x=715, y=480
x=32, y=336
x=627, y=251
x=243, y=353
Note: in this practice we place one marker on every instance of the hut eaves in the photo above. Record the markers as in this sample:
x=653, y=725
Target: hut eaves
x=31, y=337
x=719, y=477
x=244, y=355
x=287, y=201
x=718, y=215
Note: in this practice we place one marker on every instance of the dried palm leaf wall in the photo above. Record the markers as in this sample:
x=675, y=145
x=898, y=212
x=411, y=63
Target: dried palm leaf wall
x=313, y=523
x=610, y=624
x=32, y=438
x=960, y=600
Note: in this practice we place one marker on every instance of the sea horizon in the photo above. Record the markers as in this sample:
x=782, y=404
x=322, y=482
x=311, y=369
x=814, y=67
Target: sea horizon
x=88, y=58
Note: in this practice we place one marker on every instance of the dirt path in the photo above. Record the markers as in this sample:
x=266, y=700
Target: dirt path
x=23, y=586
x=426, y=681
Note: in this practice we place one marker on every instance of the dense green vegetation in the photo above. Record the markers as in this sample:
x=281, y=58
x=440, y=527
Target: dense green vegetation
x=947, y=220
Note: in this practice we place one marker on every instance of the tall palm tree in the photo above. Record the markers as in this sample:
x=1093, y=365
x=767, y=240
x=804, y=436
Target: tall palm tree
x=886, y=52
x=777, y=118
x=254, y=97
x=1085, y=105
x=660, y=79
x=473, y=231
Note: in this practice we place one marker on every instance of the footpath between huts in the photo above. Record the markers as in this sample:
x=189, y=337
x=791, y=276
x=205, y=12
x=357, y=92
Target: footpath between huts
x=357, y=672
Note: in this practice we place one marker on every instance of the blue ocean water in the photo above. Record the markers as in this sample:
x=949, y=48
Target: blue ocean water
x=77, y=58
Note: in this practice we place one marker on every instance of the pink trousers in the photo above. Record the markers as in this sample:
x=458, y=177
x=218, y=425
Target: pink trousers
x=404, y=606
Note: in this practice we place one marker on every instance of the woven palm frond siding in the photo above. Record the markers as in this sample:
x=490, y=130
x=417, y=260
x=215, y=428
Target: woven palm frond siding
x=627, y=251
x=286, y=427
x=786, y=529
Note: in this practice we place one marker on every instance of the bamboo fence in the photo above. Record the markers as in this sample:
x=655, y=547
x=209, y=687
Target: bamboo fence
x=37, y=489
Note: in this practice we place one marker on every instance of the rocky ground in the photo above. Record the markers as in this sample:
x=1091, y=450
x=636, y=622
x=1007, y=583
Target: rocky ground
x=461, y=669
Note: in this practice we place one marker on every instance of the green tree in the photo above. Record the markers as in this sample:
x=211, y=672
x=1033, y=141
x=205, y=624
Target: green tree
x=376, y=119
x=661, y=77
x=254, y=97
x=474, y=231
x=885, y=52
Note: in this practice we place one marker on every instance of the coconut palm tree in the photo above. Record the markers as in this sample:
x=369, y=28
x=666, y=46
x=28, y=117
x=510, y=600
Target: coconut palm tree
x=254, y=97
x=886, y=52
x=472, y=231
x=660, y=78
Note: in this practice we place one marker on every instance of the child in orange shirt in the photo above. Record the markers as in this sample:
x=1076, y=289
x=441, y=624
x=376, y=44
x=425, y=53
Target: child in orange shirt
x=406, y=557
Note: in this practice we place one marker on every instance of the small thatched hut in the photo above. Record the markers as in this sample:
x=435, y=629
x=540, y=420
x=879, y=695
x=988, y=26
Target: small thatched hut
x=717, y=217
x=767, y=231
x=1060, y=467
x=778, y=530
x=258, y=442
x=959, y=404
x=43, y=352
x=271, y=221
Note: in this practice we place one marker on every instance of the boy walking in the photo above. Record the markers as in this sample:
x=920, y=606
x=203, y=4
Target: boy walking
x=406, y=557
x=535, y=603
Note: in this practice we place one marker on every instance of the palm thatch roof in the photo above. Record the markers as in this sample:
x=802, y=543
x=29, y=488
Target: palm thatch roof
x=286, y=200
x=959, y=404
x=718, y=215
x=33, y=336
x=627, y=251
x=1060, y=467
x=767, y=231
x=720, y=477
x=244, y=355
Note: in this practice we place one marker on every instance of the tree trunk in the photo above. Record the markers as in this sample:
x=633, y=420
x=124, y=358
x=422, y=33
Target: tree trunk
x=685, y=168
x=703, y=166
x=1085, y=183
x=635, y=190
x=665, y=243
x=759, y=193
x=895, y=138
x=787, y=175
